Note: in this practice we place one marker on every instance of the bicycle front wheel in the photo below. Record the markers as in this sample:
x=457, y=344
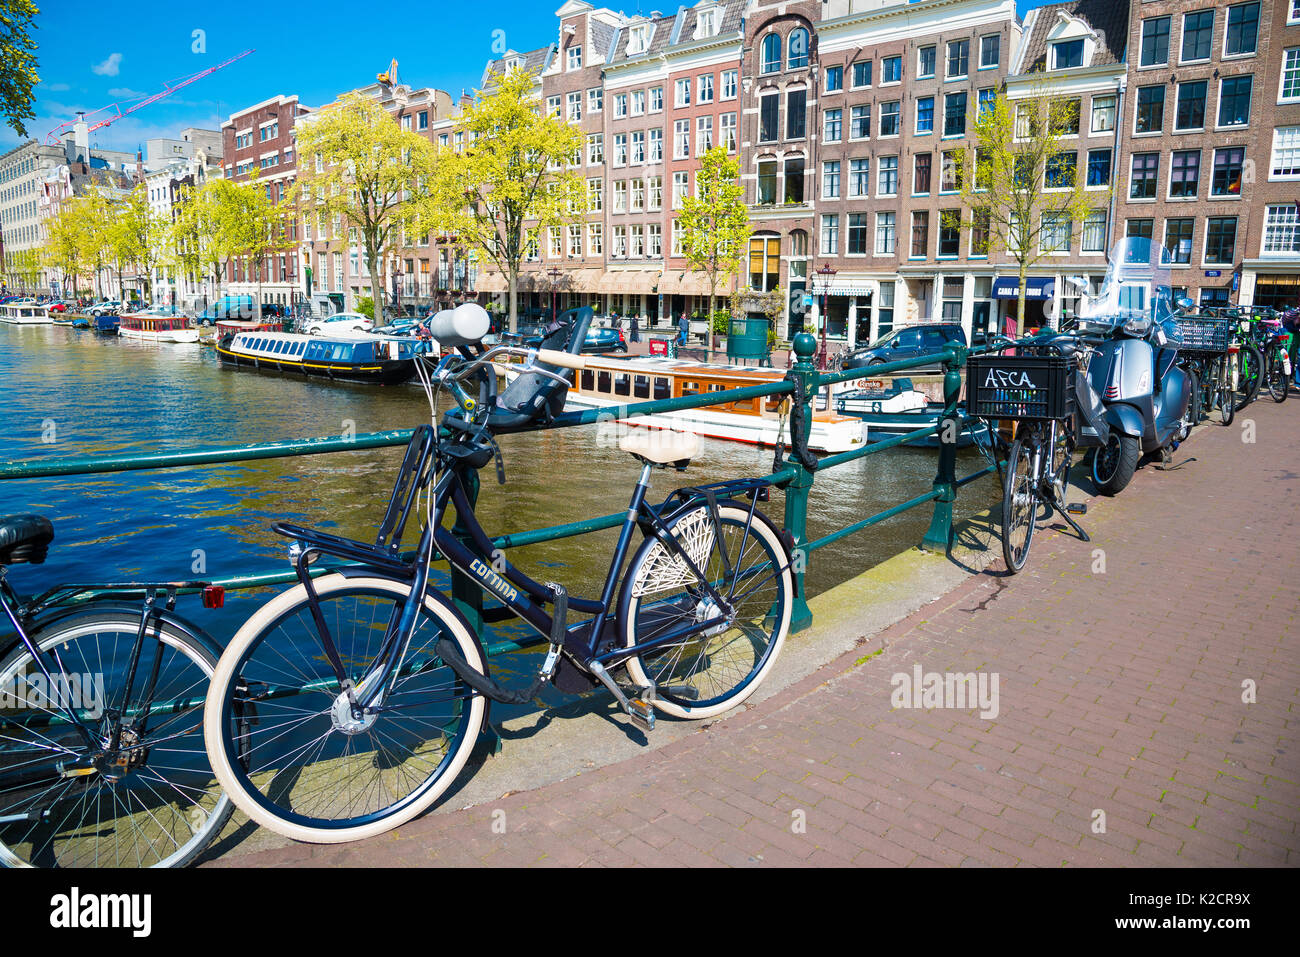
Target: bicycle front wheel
x=1019, y=504
x=311, y=769
x=703, y=673
x=141, y=793
x=1278, y=383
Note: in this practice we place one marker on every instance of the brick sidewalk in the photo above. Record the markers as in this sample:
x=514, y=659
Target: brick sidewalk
x=1120, y=692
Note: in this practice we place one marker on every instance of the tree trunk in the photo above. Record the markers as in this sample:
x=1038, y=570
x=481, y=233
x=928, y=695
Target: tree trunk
x=514, y=299
x=713, y=285
x=376, y=290
x=1020, y=300
x=257, y=296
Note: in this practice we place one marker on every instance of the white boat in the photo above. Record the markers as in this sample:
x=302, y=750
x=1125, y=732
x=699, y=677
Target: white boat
x=607, y=382
x=25, y=312
x=157, y=325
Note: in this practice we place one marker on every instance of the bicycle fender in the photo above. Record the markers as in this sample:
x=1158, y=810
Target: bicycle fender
x=59, y=616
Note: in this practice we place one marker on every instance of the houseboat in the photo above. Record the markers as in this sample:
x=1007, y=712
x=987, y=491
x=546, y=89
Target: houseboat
x=609, y=382
x=361, y=358
x=895, y=409
x=157, y=325
x=25, y=312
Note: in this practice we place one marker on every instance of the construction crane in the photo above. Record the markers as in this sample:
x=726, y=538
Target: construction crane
x=58, y=132
x=389, y=78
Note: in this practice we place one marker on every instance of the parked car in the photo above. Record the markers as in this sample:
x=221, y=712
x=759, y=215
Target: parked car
x=598, y=340
x=106, y=307
x=907, y=343
x=58, y=307
x=339, y=323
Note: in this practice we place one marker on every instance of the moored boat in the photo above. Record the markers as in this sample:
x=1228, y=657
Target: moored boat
x=25, y=312
x=607, y=382
x=363, y=358
x=895, y=409
x=157, y=325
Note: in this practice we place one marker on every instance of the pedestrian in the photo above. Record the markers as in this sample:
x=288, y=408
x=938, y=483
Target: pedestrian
x=683, y=328
x=635, y=334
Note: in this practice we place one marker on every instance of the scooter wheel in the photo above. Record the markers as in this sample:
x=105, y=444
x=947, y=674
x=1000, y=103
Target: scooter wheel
x=1113, y=466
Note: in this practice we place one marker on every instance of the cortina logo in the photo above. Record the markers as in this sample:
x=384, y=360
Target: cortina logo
x=493, y=580
x=1008, y=379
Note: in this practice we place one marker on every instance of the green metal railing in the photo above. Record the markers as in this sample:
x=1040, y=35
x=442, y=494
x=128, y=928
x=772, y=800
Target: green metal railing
x=797, y=480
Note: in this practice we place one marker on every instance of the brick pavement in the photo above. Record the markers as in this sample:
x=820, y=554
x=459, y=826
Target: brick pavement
x=1121, y=666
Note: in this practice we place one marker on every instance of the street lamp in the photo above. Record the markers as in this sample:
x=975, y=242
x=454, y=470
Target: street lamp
x=555, y=275
x=826, y=272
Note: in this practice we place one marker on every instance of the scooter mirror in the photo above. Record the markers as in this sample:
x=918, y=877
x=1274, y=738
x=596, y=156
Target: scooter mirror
x=1184, y=303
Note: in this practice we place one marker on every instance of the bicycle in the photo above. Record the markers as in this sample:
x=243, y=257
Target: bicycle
x=1034, y=390
x=1277, y=359
x=359, y=695
x=1206, y=352
x=102, y=760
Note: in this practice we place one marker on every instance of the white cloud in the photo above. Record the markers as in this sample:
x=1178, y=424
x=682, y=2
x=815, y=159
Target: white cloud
x=110, y=67
x=55, y=87
x=124, y=93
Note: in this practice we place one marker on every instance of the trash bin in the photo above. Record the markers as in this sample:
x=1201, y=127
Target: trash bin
x=747, y=339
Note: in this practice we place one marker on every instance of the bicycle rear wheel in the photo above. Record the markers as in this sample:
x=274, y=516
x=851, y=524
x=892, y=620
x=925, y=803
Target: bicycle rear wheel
x=150, y=802
x=1019, y=502
x=1278, y=386
x=314, y=771
x=702, y=674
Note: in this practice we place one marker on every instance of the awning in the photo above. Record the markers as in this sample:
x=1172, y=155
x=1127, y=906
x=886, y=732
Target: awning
x=689, y=283
x=1036, y=287
x=1276, y=280
x=844, y=287
x=491, y=282
x=629, y=281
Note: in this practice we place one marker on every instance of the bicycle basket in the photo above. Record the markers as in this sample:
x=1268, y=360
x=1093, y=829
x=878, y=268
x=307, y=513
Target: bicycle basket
x=1204, y=335
x=1018, y=387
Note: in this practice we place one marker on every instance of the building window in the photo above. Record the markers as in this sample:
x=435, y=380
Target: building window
x=771, y=54
x=656, y=146
x=1234, y=100
x=885, y=309
x=830, y=234
x=728, y=131
x=1062, y=169
x=794, y=180
x=1055, y=235
x=860, y=177
x=595, y=195
x=958, y=59
x=1139, y=228
x=769, y=126
x=857, y=235
x=1103, y=113
x=885, y=234
x=954, y=114
x=1142, y=179
x=831, y=179
x=681, y=186
x=1243, y=30
x=921, y=174
x=987, y=98
x=574, y=58
x=949, y=233
x=1184, y=173
x=681, y=139
x=703, y=134
x=920, y=233
x=888, y=176
x=1220, y=240
x=704, y=87
x=620, y=196
x=861, y=74
x=795, y=101
x=620, y=149
x=1226, y=180
x=654, y=192
x=1094, y=232
x=798, y=48
x=1190, y=114
x=1155, y=42
x=656, y=99
x=573, y=106
x=1099, y=167
x=767, y=182
x=925, y=60
x=925, y=114
x=990, y=50
x=889, y=115
x=1198, y=33
x=1290, y=89
x=833, y=125
x=1285, y=160
x=1178, y=241
x=834, y=79
x=595, y=149
x=891, y=69
x=1282, y=230
x=1150, y=109
x=1067, y=54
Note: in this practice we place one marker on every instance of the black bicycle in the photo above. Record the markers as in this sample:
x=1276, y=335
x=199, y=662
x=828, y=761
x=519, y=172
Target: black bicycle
x=358, y=696
x=102, y=762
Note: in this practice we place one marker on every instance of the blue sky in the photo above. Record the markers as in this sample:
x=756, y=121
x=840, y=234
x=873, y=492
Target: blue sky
x=93, y=54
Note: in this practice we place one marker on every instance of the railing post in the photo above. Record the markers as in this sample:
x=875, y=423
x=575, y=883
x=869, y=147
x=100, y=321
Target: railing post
x=939, y=535
x=464, y=590
x=796, y=493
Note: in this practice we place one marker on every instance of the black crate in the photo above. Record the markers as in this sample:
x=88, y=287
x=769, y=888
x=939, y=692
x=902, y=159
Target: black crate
x=1204, y=335
x=1018, y=387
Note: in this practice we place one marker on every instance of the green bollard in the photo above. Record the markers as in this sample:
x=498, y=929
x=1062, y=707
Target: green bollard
x=796, y=493
x=939, y=536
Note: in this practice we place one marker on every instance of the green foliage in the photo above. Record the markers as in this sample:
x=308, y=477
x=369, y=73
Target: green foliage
x=721, y=322
x=17, y=63
x=366, y=306
x=715, y=222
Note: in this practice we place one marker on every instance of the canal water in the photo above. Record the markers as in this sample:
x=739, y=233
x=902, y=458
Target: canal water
x=70, y=393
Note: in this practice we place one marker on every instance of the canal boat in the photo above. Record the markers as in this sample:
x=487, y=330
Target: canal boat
x=157, y=325
x=25, y=312
x=76, y=322
x=895, y=409
x=608, y=382
x=106, y=324
x=359, y=358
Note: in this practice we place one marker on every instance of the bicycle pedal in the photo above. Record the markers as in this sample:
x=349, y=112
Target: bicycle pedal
x=642, y=713
x=1077, y=508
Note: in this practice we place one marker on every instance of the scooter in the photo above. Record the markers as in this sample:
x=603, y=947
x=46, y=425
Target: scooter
x=1146, y=396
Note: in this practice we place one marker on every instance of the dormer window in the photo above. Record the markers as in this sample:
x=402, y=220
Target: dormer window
x=707, y=23
x=574, y=58
x=1067, y=54
x=514, y=63
x=638, y=40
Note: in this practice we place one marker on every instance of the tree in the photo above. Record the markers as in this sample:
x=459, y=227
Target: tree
x=64, y=246
x=252, y=225
x=511, y=177
x=17, y=63
x=358, y=164
x=1022, y=192
x=205, y=228
x=715, y=223
x=140, y=236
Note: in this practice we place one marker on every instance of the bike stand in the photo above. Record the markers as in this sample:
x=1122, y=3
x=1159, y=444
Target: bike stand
x=1078, y=508
x=1167, y=461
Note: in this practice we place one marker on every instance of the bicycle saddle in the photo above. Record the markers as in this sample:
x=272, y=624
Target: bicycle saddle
x=24, y=538
x=661, y=447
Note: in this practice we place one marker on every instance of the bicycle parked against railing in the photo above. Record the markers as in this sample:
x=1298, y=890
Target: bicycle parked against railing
x=1035, y=391
x=359, y=695
x=1276, y=372
x=102, y=762
x=1207, y=353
